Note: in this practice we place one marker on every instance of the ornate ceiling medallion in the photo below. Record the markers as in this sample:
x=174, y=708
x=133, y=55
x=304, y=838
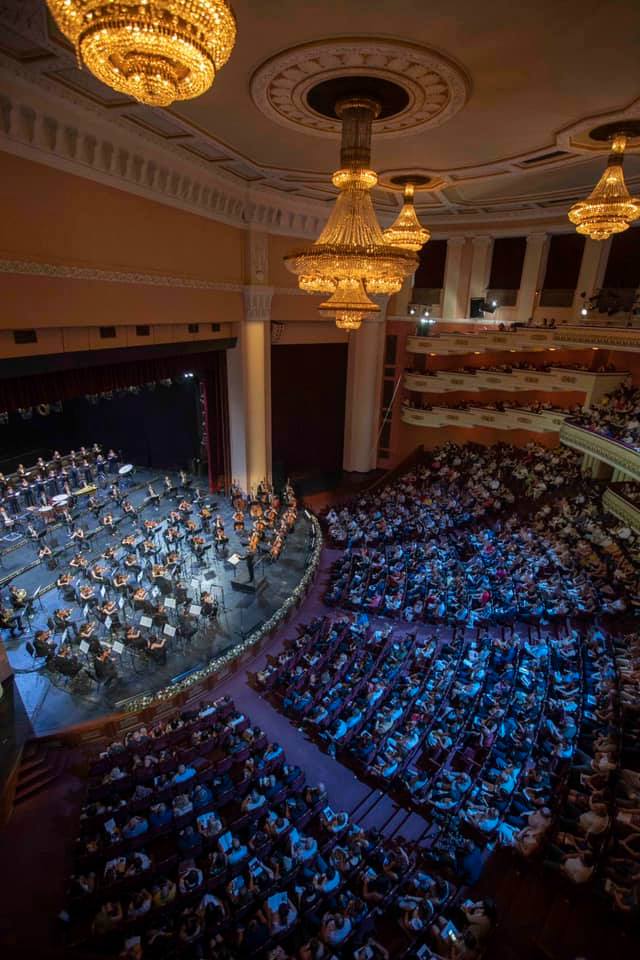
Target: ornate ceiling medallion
x=424, y=88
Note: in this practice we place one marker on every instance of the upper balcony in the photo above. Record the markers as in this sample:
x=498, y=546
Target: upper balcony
x=556, y=380
x=579, y=337
x=624, y=460
x=622, y=506
x=513, y=418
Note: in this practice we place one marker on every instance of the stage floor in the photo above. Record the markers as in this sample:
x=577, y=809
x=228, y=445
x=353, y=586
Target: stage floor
x=49, y=701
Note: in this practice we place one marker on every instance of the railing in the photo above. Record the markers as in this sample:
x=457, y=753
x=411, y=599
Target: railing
x=549, y=381
x=548, y=421
x=617, y=455
x=622, y=507
x=404, y=466
x=566, y=336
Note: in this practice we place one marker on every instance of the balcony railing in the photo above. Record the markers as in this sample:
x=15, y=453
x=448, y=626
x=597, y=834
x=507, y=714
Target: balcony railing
x=557, y=380
x=567, y=336
x=548, y=421
x=622, y=507
x=617, y=455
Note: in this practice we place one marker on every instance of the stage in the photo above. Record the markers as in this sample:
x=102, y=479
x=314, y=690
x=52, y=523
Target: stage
x=47, y=699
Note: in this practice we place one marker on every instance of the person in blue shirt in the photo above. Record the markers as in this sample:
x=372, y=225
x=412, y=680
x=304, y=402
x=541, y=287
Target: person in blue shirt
x=183, y=773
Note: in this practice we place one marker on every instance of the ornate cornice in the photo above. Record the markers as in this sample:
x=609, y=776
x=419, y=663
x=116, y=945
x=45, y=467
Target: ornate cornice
x=30, y=268
x=621, y=508
x=609, y=451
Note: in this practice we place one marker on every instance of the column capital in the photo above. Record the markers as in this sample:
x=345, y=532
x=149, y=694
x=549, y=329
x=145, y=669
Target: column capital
x=482, y=241
x=537, y=237
x=456, y=241
x=257, y=302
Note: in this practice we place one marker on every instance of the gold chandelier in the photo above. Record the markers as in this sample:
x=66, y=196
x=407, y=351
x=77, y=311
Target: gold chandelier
x=352, y=259
x=406, y=231
x=155, y=51
x=609, y=208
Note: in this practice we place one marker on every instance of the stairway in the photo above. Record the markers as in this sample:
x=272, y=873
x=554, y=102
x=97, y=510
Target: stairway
x=41, y=765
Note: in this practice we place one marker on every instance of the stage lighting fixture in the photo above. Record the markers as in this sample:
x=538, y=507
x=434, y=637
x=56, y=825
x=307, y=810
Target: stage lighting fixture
x=412, y=311
x=189, y=375
x=494, y=303
x=584, y=312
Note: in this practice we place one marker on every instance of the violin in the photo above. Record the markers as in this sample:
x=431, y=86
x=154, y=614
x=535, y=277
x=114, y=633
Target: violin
x=128, y=541
x=255, y=509
x=206, y=513
x=150, y=525
x=191, y=526
x=199, y=541
x=253, y=542
x=140, y=594
x=157, y=570
x=148, y=546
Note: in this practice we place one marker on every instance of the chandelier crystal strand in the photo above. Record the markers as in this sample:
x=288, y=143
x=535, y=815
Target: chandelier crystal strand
x=155, y=51
x=351, y=258
x=609, y=208
x=406, y=231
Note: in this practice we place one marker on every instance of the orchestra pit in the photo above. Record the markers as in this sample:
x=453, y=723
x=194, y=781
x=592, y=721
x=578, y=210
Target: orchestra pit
x=319, y=480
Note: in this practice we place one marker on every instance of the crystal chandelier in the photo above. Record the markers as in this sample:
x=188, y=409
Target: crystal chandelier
x=406, y=231
x=609, y=208
x=351, y=259
x=155, y=51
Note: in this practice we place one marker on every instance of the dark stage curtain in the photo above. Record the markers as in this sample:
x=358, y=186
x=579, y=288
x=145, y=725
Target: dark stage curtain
x=308, y=387
x=28, y=391
x=216, y=421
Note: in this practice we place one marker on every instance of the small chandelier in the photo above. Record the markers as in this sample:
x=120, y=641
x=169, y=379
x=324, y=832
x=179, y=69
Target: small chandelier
x=155, y=51
x=351, y=259
x=609, y=208
x=406, y=231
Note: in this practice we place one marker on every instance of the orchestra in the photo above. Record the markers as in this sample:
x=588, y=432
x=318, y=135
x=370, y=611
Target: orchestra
x=106, y=595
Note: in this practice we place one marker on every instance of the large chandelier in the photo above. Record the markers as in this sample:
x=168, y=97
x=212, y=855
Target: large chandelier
x=155, y=51
x=351, y=259
x=609, y=208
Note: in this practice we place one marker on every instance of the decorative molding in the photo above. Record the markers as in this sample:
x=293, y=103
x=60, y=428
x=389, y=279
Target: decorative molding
x=621, y=508
x=509, y=419
x=609, y=451
x=548, y=381
x=60, y=271
x=258, y=256
x=257, y=302
x=437, y=88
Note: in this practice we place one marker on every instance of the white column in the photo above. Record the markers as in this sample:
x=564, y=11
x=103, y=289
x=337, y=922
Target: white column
x=364, y=383
x=535, y=262
x=451, y=307
x=480, y=266
x=249, y=373
x=402, y=299
x=592, y=269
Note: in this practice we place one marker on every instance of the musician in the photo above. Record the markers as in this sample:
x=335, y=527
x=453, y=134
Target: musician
x=156, y=646
x=172, y=535
x=128, y=541
x=10, y=620
x=78, y=562
x=185, y=507
x=169, y=489
x=276, y=547
x=109, y=554
x=209, y=605
x=205, y=516
x=185, y=480
x=238, y=521
x=129, y=510
x=112, y=461
x=107, y=524
x=198, y=546
x=86, y=633
x=121, y=581
x=109, y=609
x=97, y=573
x=66, y=662
x=26, y=492
x=150, y=548
x=104, y=668
x=153, y=497
x=271, y=516
x=74, y=473
x=86, y=594
x=249, y=557
x=115, y=493
x=7, y=522
x=57, y=458
x=64, y=581
x=18, y=597
x=68, y=519
x=140, y=598
x=181, y=592
x=151, y=526
x=45, y=553
x=87, y=472
x=12, y=501
x=77, y=536
x=94, y=506
x=133, y=638
x=62, y=618
x=43, y=644
x=172, y=559
x=101, y=466
x=131, y=563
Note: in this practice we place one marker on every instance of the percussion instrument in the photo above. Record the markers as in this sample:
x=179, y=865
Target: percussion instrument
x=125, y=470
x=88, y=488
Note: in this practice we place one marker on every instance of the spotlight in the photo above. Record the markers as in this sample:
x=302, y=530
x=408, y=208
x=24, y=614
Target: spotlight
x=494, y=303
x=584, y=312
x=189, y=375
x=412, y=311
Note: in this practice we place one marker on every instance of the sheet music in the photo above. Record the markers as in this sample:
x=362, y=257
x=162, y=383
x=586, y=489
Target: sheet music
x=84, y=646
x=146, y=621
x=169, y=630
x=234, y=559
x=195, y=610
x=170, y=603
x=118, y=647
